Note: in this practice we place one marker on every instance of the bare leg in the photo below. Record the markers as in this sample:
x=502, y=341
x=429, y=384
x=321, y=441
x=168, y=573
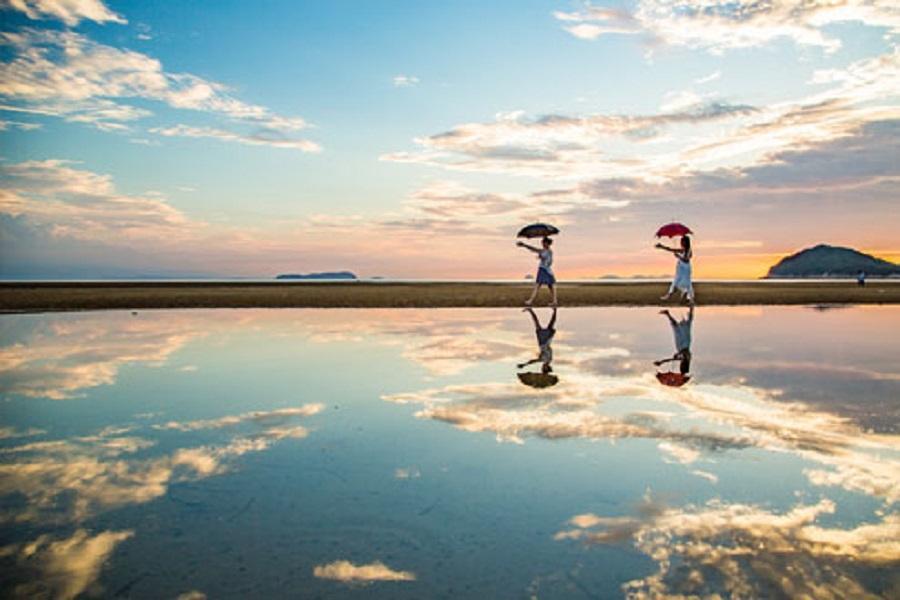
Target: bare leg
x=553, y=291
x=534, y=292
x=669, y=293
x=689, y=295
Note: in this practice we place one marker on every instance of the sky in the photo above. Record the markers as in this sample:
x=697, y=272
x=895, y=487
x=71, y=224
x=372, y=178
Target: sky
x=413, y=139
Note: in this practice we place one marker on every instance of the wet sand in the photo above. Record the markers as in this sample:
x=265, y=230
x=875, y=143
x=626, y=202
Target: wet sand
x=61, y=296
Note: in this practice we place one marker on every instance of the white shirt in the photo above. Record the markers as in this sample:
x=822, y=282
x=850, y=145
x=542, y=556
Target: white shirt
x=546, y=257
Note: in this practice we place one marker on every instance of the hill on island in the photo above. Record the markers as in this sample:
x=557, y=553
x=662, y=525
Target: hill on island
x=324, y=275
x=832, y=261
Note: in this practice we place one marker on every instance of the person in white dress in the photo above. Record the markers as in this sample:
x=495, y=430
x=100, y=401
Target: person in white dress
x=683, y=280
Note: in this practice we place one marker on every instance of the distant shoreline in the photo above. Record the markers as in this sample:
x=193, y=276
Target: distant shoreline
x=132, y=295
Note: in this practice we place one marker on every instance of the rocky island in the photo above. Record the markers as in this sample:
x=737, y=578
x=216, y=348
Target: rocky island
x=824, y=261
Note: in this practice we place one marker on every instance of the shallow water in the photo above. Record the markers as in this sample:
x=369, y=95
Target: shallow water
x=396, y=453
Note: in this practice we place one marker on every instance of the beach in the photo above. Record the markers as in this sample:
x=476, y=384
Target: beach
x=66, y=296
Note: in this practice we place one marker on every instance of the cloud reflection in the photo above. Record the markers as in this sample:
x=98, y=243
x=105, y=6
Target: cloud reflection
x=63, y=356
x=62, y=567
x=346, y=572
x=748, y=551
x=71, y=480
x=690, y=423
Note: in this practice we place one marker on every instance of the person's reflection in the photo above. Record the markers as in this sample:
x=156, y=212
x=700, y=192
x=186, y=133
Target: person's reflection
x=544, y=335
x=682, y=333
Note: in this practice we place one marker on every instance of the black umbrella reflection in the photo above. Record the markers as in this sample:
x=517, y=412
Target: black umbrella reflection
x=544, y=335
x=681, y=330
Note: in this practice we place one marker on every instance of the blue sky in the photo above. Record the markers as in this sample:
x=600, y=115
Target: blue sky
x=249, y=139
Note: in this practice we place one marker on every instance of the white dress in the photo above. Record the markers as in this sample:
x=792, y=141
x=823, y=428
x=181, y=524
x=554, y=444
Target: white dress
x=682, y=279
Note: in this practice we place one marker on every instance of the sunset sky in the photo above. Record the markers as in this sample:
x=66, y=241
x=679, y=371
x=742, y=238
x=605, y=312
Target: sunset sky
x=413, y=139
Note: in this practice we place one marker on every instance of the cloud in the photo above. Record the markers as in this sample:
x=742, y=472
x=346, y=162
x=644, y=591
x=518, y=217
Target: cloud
x=722, y=25
x=693, y=133
x=558, y=146
x=708, y=78
x=70, y=12
x=63, y=567
x=65, y=74
x=85, y=205
x=678, y=453
x=346, y=572
x=261, y=138
x=748, y=551
x=7, y=125
x=405, y=80
x=594, y=22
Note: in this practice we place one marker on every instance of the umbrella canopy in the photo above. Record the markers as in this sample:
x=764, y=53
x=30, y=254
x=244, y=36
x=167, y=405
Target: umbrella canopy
x=538, y=380
x=673, y=379
x=536, y=230
x=673, y=230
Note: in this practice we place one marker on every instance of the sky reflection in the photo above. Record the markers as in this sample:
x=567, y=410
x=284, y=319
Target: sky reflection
x=773, y=470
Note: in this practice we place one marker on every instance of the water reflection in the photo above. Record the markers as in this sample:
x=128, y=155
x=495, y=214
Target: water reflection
x=747, y=551
x=776, y=472
x=681, y=331
x=544, y=335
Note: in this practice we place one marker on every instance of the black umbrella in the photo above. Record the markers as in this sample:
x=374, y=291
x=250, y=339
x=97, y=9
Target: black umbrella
x=538, y=380
x=536, y=230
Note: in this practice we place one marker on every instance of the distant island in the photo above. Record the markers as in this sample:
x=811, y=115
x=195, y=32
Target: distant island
x=325, y=275
x=832, y=261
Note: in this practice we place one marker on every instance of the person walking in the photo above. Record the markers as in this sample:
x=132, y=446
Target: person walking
x=683, y=279
x=545, y=269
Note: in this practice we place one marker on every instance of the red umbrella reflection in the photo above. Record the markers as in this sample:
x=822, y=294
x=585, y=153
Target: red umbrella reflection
x=673, y=379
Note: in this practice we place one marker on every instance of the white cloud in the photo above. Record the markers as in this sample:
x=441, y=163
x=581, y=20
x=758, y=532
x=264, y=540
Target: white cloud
x=560, y=146
x=719, y=25
x=70, y=12
x=405, y=80
x=65, y=74
x=708, y=78
x=261, y=138
x=594, y=22
x=84, y=205
x=7, y=125
x=694, y=133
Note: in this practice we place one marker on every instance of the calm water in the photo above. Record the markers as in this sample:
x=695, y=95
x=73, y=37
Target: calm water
x=411, y=453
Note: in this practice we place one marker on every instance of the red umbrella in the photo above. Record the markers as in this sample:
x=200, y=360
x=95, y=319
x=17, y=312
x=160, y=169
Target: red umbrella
x=673, y=230
x=673, y=379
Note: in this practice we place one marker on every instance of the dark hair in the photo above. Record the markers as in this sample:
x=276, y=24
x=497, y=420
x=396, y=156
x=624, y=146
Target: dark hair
x=547, y=241
x=685, y=242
